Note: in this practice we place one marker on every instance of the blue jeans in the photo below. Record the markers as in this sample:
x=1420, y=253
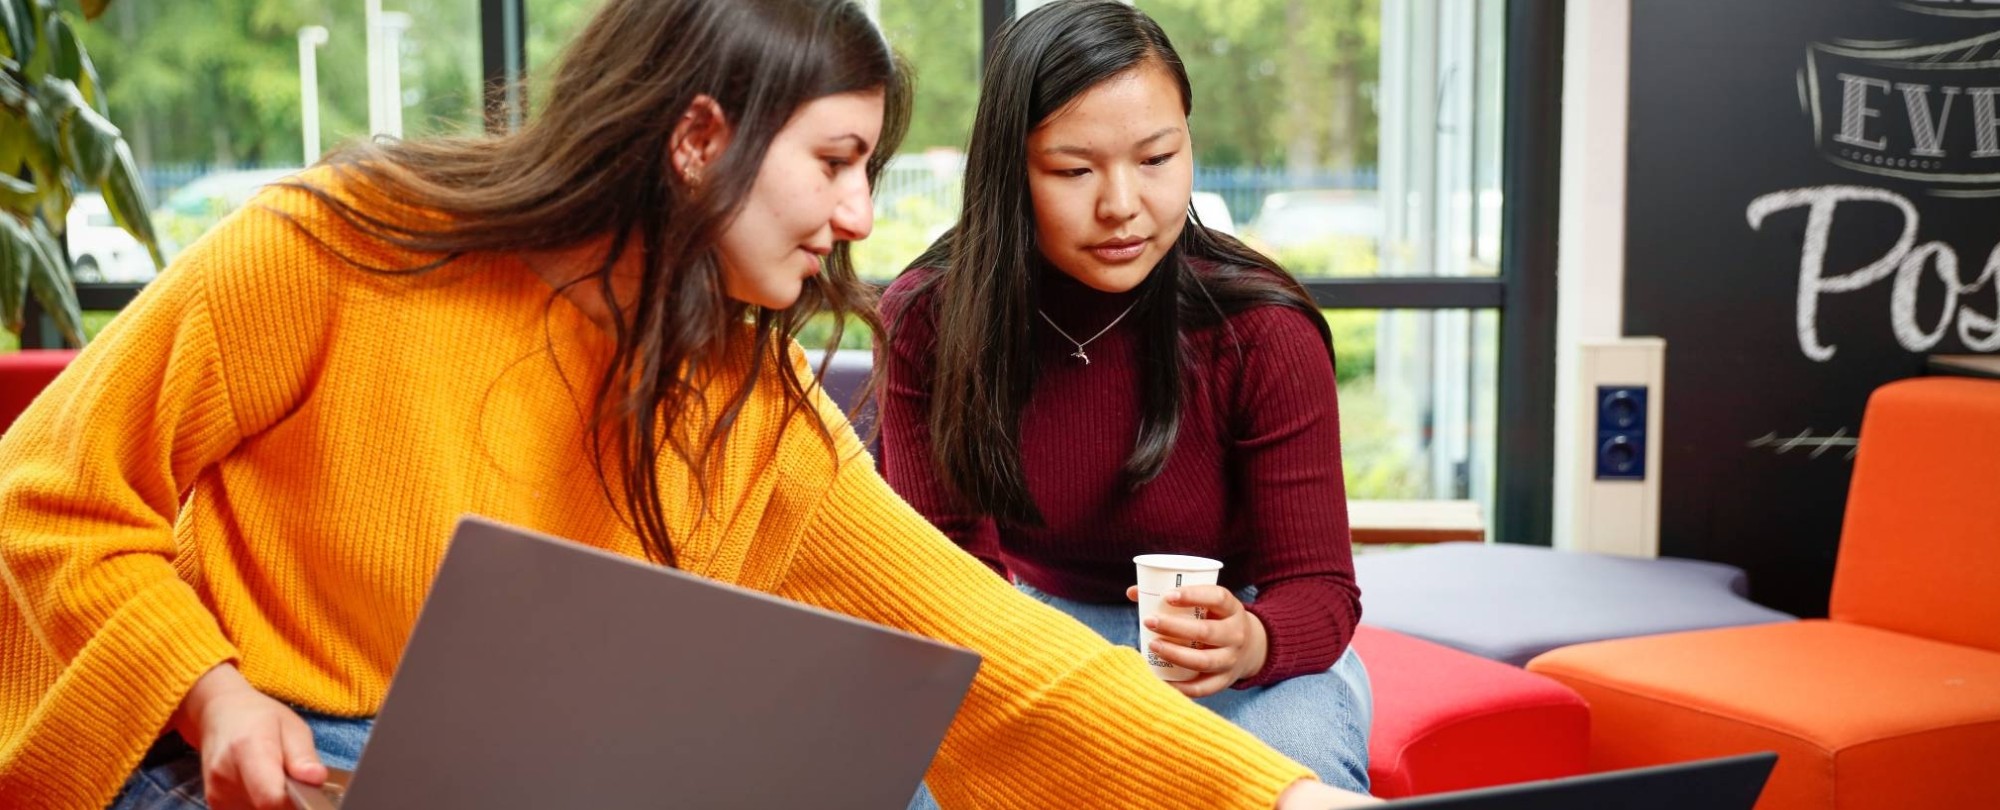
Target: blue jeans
x=169, y=778
x=1320, y=720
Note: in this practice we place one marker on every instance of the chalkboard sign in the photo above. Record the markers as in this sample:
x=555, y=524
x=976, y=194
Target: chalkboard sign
x=1814, y=204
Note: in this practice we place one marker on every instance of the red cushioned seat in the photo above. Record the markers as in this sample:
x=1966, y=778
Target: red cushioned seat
x=1447, y=720
x=24, y=374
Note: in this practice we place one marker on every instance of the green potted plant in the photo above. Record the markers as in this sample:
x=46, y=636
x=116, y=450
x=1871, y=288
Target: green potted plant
x=55, y=139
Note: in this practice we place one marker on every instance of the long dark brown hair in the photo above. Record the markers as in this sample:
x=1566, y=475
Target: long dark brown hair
x=594, y=166
x=990, y=264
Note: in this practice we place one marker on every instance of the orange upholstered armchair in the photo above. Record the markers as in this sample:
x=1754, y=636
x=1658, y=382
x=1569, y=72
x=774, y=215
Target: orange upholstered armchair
x=1892, y=702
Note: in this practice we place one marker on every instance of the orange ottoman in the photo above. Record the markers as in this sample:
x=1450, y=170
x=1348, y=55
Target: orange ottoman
x=1894, y=701
x=1895, y=720
x=1448, y=720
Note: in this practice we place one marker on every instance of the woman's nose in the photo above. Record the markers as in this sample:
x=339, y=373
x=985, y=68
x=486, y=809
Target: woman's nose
x=854, y=217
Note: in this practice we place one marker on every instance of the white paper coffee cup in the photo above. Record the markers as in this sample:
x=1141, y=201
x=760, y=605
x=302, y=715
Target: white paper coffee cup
x=1158, y=574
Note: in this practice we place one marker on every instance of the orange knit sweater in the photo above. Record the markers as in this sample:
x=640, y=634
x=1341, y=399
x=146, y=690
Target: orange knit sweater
x=261, y=460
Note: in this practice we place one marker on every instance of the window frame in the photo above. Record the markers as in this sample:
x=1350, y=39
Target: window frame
x=1524, y=292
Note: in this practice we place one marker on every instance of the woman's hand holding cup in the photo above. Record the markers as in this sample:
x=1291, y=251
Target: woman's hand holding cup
x=1222, y=642
x=1195, y=633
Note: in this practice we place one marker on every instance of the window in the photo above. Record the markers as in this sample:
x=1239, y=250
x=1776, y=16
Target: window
x=1359, y=142
x=216, y=103
x=1417, y=401
x=918, y=195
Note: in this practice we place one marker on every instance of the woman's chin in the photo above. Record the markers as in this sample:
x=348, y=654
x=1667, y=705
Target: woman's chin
x=772, y=298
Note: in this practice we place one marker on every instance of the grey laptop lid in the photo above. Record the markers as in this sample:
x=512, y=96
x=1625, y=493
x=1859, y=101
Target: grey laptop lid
x=543, y=673
x=1727, y=783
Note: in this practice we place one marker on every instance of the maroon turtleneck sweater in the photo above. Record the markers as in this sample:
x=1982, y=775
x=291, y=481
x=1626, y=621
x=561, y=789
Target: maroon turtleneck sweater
x=1254, y=479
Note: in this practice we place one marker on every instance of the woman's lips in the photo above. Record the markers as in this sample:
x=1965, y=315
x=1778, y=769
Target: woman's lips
x=1116, y=252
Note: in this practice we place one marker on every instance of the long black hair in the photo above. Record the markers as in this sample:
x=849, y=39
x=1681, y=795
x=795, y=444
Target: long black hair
x=989, y=263
x=595, y=164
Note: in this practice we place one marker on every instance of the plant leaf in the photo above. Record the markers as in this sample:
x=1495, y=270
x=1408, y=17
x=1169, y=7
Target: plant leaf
x=17, y=194
x=49, y=280
x=45, y=156
x=86, y=136
x=24, y=35
x=39, y=59
x=92, y=84
x=65, y=60
x=126, y=197
x=15, y=140
x=10, y=30
x=87, y=139
x=13, y=272
x=70, y=61
x=41, y=135
x=13, y=94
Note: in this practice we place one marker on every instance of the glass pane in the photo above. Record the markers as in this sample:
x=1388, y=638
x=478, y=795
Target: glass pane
x=551, y=23
x=215, y=101
x=1417, y=402
x=918, y=195
x=1310, y=114
x=1439, y=99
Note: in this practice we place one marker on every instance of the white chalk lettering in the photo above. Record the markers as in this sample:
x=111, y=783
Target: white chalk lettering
x=1905, y=260
x=1855, y=112
x=1985, y=124
x=1927, y=131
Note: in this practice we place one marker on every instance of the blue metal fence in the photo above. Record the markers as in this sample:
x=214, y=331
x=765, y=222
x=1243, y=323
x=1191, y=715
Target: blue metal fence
x=161, y=180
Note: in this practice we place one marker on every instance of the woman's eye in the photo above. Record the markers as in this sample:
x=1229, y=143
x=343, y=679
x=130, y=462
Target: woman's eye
x=1159, y=159
x=1072, y=172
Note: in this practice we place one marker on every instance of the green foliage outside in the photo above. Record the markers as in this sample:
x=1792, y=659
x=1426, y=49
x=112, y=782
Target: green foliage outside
x=216, y=82
x=1279, y=84
x=55, y=140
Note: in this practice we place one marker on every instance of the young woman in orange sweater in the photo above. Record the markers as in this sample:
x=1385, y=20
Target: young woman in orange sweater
x=217, y=527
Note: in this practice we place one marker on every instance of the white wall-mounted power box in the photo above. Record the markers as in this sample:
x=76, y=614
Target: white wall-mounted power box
x=1615, y=506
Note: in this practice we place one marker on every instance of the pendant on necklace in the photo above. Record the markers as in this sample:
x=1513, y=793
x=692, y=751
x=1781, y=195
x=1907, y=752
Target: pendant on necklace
x=1078, y=354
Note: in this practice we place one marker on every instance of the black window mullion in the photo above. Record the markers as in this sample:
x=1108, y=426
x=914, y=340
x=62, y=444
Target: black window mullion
x=503, y=49
x=1531, y=158
x=992, y=15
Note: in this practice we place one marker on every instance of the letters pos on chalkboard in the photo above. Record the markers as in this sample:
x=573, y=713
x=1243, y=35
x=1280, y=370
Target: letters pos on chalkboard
x=1812, y=192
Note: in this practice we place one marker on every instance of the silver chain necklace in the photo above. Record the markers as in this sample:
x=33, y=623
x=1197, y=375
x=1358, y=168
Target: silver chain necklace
x=1080, y=354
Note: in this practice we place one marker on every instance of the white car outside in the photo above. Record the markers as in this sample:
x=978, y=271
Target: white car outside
x=1214, y=212
x=99, y=250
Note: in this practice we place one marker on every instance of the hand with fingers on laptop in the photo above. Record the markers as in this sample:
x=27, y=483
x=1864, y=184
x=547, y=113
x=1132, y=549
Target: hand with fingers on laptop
x=249, y=743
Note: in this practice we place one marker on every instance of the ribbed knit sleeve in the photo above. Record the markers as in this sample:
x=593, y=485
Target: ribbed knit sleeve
x=1287, y=439
x=1057, y=717
x=904, y=406
x=99, y=638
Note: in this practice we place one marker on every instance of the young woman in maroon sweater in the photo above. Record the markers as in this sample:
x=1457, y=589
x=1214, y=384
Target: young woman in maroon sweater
x=1079, y=372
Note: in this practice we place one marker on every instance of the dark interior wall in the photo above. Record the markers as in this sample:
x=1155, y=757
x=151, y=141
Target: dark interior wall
x=1806, y=220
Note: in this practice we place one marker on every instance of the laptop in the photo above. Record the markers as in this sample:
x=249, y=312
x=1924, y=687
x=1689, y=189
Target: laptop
x=1726, y=783
x=542, y=673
